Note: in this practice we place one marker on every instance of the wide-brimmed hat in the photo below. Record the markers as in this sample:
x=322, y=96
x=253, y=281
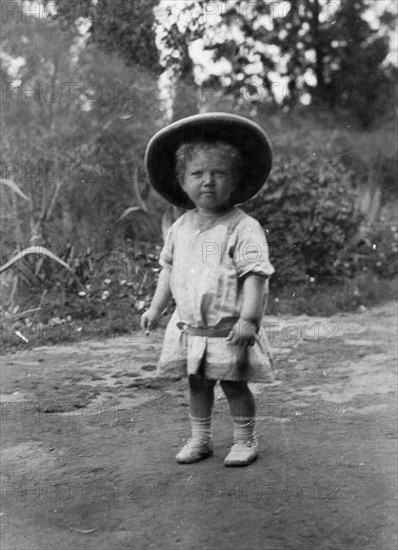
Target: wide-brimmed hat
x=251, y=140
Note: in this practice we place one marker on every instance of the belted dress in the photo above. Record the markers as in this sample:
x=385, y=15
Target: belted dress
x=208, y=257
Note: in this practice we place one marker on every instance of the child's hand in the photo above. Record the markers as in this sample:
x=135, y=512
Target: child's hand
x=149, y=320
x=243, y=333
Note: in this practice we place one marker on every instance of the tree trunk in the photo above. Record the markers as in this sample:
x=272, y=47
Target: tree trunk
x=319, y=61
x=185, y=99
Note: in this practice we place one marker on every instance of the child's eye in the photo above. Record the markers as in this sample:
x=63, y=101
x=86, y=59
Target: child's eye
x=197, y=174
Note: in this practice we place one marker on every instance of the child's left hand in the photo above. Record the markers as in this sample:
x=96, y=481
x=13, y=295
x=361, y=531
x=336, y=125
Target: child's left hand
x=243, y=333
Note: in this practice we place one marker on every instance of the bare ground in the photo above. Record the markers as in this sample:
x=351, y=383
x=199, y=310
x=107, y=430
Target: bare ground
x=89, y=436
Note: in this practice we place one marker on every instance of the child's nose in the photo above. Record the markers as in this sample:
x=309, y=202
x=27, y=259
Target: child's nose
x=207, y=178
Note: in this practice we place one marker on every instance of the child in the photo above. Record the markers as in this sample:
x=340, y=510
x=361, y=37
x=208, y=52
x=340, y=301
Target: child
x=215, y=264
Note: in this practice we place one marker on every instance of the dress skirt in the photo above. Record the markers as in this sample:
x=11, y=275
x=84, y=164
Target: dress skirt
x=213, y=357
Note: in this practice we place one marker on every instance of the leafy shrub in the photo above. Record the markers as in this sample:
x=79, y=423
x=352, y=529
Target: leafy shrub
x=112, y=285
x=373, y=251
x=308, y=211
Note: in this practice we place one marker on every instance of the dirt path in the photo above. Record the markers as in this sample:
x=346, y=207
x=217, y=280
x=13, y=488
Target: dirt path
x=89, y=437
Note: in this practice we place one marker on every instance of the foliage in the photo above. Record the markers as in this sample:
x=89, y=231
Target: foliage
x=375, y=250
x=115, y=133
x=308, y=210
x=311, y=208
x=122, y=27
x=357, y=79
x=97, y=285
x=330, y=52
x=363, y=291
x=175, y=58
x=37, y=122
x=40, y=251
x=75, y=126
x=126, y=275
x=370, y=157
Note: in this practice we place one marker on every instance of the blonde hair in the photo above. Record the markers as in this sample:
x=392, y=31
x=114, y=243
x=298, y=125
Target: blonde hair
x=186, y=151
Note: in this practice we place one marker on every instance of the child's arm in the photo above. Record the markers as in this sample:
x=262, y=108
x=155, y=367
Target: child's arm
x=161, y=298
x=245, y=330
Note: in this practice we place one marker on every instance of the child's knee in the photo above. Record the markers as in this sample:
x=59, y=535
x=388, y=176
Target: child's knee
x=198, y=383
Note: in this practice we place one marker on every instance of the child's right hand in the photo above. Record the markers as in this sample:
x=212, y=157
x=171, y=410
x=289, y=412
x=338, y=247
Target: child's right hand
x=149, y=320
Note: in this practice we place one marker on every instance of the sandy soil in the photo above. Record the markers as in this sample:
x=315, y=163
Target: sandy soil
x=89, y=436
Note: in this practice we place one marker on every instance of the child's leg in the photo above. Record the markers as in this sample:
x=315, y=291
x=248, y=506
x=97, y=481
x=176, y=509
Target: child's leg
x=201, y=398
x=243, y=410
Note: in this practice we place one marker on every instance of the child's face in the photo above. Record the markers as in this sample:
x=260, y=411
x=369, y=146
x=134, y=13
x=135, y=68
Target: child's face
x=209, y=181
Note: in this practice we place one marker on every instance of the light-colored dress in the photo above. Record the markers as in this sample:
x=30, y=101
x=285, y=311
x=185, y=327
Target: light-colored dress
x=208, y=258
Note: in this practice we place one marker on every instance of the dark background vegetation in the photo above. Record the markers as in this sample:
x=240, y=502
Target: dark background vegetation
x=79, y=107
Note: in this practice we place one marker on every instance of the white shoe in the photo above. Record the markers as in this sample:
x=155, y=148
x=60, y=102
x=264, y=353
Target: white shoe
x=194, y=451
x=242, y=453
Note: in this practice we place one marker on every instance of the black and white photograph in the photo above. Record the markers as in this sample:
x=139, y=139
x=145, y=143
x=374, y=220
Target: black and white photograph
x=199, y=275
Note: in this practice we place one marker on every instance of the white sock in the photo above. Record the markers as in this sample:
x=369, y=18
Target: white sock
x=201, y=428
x=243, y=430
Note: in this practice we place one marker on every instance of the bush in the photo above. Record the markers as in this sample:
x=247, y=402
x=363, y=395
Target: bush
x=107, y=286
x=308, y=211
x=373, y=251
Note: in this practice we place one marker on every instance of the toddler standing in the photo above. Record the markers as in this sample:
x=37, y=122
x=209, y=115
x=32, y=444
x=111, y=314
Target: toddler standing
x=215, y=264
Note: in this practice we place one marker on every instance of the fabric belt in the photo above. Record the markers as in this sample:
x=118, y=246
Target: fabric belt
x=219, y=331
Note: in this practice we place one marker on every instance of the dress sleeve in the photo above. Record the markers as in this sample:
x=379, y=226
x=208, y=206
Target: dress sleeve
x=250, y=253
x=166, y=254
